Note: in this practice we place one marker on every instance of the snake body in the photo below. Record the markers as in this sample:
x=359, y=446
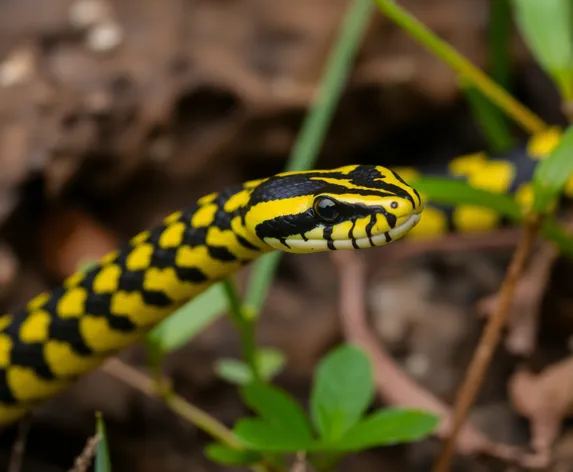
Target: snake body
x=63, y=334
x=509, y=173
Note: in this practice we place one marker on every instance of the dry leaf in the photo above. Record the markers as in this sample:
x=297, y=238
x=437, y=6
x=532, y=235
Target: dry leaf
x=545, y=399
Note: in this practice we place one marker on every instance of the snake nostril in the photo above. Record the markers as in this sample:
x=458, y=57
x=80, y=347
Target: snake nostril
x=394, y=205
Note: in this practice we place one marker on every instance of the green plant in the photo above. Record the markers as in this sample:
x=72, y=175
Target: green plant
x=343, y=390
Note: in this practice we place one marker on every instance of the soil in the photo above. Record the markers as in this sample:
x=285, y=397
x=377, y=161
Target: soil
x=114, y=114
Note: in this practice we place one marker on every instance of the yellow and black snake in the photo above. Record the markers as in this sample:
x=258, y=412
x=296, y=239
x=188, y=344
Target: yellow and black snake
x=70, y=331
x=65, y=333
x=510, y=173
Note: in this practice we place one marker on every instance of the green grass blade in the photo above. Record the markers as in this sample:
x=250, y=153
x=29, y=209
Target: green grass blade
x=189, y=320
x=552, y=173
x=444, y=51
x=313, y=130
x=102, y=460
x=499, y=39
x=490, y=120
x=547, y=28
x=453, y=192
x=489, y=117
x=457, y=192
x=338, y=67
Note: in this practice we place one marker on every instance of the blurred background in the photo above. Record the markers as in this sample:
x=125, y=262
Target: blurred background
x=114, y=113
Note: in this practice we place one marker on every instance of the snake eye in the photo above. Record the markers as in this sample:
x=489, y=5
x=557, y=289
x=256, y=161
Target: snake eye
x=394, y=205
x=326, y=209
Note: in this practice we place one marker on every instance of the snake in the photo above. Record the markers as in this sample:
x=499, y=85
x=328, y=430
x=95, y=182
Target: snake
x=69, y=331
x=65, y=333
x=508, y=173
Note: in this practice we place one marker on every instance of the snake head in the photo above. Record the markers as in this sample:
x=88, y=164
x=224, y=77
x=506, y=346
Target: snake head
x=350, y=207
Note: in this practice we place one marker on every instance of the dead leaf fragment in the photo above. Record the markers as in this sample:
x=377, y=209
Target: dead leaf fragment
x=545, y=399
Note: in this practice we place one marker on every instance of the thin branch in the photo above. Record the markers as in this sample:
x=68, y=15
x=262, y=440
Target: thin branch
x=393, y=385
x=525, y=311
x=300, y=463
x=522, y=323
x=488, y=343
x=139, y=381
x=84, y=460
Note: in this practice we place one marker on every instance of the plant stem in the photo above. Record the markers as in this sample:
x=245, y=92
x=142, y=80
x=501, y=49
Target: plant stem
x=488, y=343
x=138, y=380
x=518, y=112
x=311, y=135
x=246, y=326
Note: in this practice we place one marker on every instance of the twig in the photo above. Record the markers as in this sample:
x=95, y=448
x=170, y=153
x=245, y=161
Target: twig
x=191, y=413
x=175, y=403
x=19, y=446
x=487, y=344
x=526, y=304
x=84, y=460
x=393, y=385
x=300, y=463
x=523, y=320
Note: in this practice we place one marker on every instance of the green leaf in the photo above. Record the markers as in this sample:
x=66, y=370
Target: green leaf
x=547, y=28
x=457, y=192
x=270, y=362
x=452, y=192
x=343, y=388
x=489, y=118
x=266, y=437
x=552, y=173
x=228, y=456
x=233, y=371
x=190, y=319
x=386, y=427
x=102, y=460
x=500, y=35
x=278, y=409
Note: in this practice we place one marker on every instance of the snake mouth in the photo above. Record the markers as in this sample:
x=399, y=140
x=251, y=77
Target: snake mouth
x=314, y=245
x=382, y=238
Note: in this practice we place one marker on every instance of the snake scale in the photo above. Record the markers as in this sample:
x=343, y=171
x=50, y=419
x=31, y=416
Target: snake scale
x=63, y=334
